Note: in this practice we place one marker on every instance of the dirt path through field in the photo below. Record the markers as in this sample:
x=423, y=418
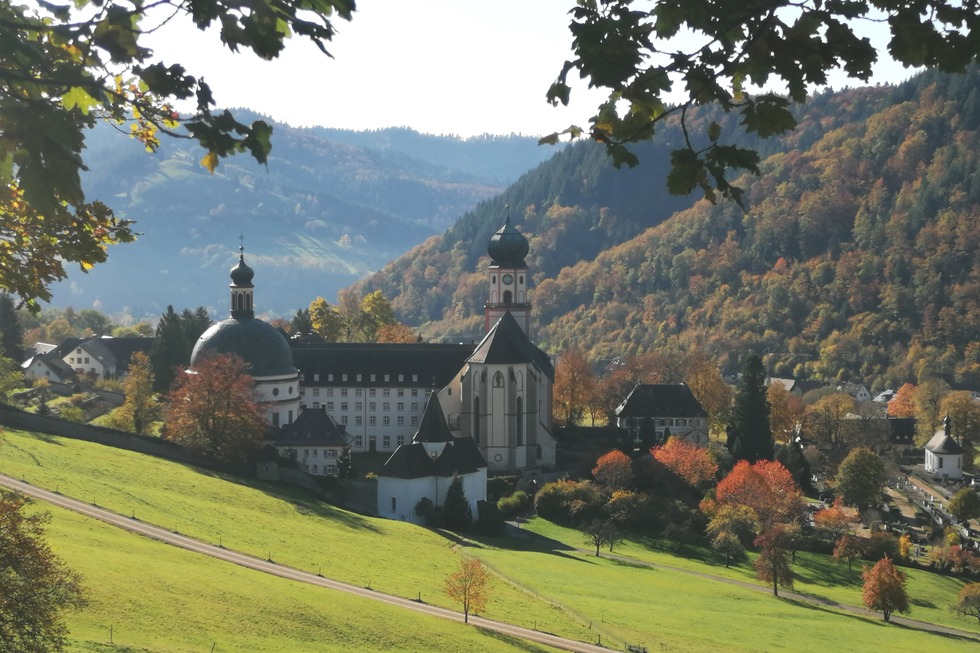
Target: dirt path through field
x=265, y=566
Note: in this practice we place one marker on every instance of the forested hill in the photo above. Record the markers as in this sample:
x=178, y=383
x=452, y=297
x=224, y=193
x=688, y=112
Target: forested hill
x=321, y=215
x=858, y=258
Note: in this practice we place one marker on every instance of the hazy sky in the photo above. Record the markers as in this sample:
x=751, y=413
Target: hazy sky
x=460, y=67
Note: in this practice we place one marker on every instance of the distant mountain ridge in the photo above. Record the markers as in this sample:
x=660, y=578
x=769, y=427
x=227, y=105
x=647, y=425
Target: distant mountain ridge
x=859, y=257
x=321, y=215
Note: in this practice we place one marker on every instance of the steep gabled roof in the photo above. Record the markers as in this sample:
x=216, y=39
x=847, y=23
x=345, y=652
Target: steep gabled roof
x=507, y=344
x=661, y=400
x=943, y=444
x=433, y=427
x=97, y=350
x=313, y=427
x=459, y=456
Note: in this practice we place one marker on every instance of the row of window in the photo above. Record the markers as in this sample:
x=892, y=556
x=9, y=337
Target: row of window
x=372, y=406
x=679, y=421
x=315, y=469
x=373, y=378
x=72, y=360
x=327, y=453
x=359, y=392
x=373, y=441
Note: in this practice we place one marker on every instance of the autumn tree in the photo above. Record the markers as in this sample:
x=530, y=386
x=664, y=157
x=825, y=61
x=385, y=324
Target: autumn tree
x=785, y=412
x=827, y=418
x=694, y=464
x=67, y=66
x=140, y=408
x=469, y=586
x=884, y=589
x=213, y=409
x=860, y=479
x=772, y=565
x=325, y=320
x=833, y=520
x=703, y=376
x=848, y=549
x=927, y=398
x=964, y=505
x=614, y=470
x=602, y=531
x=574, y=385
x=964, y=416
x=766, y=488
x=750, y=435
x=376, y=313
x=902, y=404
x=36, y=587
x=968, y=600
x=730, y=528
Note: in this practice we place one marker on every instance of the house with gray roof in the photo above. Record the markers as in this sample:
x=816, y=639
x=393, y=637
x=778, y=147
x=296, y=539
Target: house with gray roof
x=944, y=455
x=664, y=408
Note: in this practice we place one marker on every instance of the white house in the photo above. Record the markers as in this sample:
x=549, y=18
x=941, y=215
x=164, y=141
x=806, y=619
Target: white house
x=425, y=468
x=944, y=455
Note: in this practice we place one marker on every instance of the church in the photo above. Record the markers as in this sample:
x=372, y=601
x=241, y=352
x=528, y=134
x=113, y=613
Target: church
x=497, y=392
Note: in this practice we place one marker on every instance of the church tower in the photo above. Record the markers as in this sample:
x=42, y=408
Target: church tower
x=508, y=278
x=242, y=288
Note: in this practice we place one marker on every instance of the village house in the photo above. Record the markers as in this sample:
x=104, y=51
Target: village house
x=667, y=409
x=944, y=455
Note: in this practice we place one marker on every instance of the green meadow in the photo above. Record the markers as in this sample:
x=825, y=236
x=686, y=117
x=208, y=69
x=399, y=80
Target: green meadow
x=172, y=600
x=266, y=521
x=147, y=596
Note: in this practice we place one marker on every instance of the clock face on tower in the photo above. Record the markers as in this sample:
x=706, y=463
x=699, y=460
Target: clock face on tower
x=508, y=278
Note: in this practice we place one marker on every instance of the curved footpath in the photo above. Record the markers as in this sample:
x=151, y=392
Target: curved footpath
x=264, y=566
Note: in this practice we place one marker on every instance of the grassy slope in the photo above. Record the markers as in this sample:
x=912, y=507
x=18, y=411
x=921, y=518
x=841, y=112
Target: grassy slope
x=262, y=520
x=625, y=603
x=165, y=600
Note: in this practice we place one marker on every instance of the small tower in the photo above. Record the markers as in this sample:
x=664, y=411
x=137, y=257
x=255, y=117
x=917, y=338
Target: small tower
x=508, y=278
x=241, y=286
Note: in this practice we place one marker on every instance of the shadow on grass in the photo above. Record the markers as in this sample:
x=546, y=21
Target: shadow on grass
x=530, y=543
x=43, y=437
x=922, y=603
x=515, y=642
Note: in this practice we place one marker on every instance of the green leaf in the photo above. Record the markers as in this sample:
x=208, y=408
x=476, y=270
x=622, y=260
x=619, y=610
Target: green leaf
x=78, y=98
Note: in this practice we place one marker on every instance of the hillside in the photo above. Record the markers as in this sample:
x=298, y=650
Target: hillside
x=321, y=215
x=546, y=584
x=857, y=259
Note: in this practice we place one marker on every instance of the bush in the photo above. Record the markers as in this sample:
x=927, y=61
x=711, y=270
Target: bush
x=881, y=544
x=515, y=504
x=499, y=487
x=569, y=502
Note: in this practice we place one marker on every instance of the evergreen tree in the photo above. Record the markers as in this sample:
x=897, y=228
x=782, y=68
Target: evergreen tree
x=750, y=434
x=194, y=324
x=792, y=458
x=11, y=332
x=345, y=464
x=456, y=508
x=302, y=322
x=168, y=350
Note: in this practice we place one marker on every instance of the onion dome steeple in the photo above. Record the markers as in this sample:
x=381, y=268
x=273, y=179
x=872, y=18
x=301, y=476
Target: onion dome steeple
x=241, y=286
x=508, y=246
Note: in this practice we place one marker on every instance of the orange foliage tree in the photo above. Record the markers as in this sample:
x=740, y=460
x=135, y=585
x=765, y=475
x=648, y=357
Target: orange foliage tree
x=213, y=409
x=902, y=405
x=575, y=385
x=884, y=589
x=767, y=488
x=834, y=520
x=614, y=470
x=692, y=463
x=469, y=586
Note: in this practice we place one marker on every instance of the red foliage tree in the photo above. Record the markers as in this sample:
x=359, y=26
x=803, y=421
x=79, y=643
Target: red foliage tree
x=849, y=548
x=614, y=470
x=834, y=520
x=692, y=463
x=767, y=488
x=884, y=589
x=213, y=409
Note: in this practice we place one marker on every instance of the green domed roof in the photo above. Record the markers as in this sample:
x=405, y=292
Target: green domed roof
x=259, y=344
x=508, y=246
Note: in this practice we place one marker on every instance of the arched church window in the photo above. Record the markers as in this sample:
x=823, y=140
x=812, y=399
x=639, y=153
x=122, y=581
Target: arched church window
x=498, y=380
x=520, y=421
x=507, y=297
x=476, y=420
